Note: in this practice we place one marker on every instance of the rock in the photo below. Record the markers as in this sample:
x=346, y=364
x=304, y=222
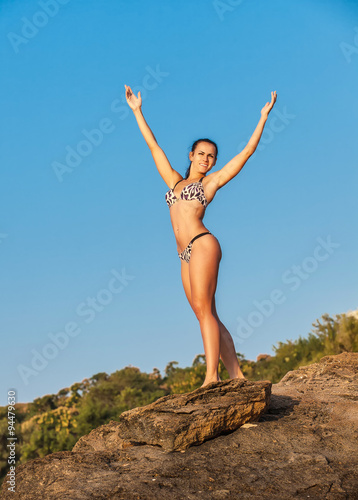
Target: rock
x=303, y=446
x=263, y=357
x=178, y=421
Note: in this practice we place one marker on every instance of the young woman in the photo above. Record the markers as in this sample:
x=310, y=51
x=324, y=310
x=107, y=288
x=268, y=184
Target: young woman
x=198, y=249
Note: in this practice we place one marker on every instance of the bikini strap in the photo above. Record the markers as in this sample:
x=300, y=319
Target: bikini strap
x=176, y=184
x=202, y=178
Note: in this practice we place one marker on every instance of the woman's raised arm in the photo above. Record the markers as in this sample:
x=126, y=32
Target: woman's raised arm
x=233, y=167
x=168, y=174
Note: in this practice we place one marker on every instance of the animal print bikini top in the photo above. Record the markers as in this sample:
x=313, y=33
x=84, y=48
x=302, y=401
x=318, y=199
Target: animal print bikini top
x=193, y=191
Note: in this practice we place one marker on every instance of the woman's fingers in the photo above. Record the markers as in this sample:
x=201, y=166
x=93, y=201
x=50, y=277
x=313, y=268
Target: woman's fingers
x=269, y=105
x=128, y=93
x=273, y=98
x=134, y=102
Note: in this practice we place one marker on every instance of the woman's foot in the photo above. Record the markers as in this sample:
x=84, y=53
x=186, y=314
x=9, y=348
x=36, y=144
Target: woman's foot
x=237, y=374
x=209, y=381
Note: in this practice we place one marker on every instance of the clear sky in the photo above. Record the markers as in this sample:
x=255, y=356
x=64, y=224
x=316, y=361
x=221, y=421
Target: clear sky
x=90, y=276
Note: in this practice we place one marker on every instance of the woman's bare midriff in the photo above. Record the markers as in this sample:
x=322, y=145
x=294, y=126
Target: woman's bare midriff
x=186, y=218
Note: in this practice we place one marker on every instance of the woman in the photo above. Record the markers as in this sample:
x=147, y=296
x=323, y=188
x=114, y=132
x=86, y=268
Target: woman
x=198, y=249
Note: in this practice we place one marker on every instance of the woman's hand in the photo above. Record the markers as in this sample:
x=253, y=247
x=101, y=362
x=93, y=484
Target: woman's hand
x=269, y=105
x=133, y=102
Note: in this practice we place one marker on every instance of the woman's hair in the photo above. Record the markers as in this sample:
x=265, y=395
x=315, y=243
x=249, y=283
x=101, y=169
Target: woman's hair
x=193, y=149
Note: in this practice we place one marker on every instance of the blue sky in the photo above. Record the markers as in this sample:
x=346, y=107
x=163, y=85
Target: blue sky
x=90, y=276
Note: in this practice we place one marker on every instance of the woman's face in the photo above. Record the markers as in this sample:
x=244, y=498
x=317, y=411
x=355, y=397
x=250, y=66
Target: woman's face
x=203, y=158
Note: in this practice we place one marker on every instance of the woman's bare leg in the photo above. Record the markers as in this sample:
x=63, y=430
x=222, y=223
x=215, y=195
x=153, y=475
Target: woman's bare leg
x=203, y=273
x=227, y=349
x=187, y=290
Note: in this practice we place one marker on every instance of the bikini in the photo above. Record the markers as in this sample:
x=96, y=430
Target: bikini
x=193, y=191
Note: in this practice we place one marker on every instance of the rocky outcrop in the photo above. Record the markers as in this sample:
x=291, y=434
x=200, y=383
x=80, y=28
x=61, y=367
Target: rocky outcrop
x=303, y=446
x=263, y=357
x=178, y=421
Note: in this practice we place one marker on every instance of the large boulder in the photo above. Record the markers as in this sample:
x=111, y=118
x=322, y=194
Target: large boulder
x=178, y=421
